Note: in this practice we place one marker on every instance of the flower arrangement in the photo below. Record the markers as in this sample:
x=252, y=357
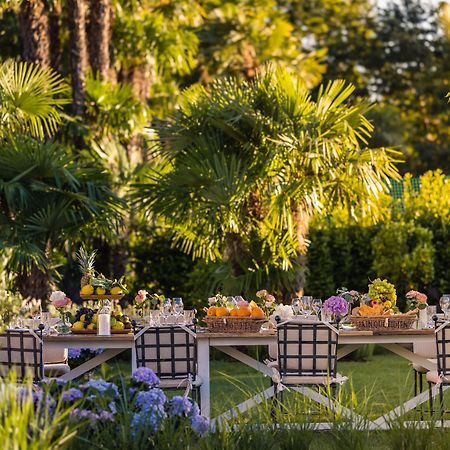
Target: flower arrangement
x=351, y=296
x=285, y=312
x=416, y=300
x=220, y=306
x=60, y=301
x=268, y=301
x=336, y=305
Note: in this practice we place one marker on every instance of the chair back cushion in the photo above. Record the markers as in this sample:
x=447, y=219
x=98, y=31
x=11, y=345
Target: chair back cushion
x=170, y=351
x=21, y=351
x=307, y=348
x=443, y=349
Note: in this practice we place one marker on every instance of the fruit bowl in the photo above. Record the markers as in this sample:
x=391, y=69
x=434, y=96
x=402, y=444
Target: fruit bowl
x=230, y=324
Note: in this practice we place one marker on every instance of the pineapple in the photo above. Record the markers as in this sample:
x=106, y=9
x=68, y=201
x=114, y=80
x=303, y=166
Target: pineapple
x=86, y=263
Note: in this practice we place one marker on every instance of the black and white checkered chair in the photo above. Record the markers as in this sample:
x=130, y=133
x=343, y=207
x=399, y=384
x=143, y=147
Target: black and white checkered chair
x=21, y=351
x=441, y=377
x=306, y=355
x=171, y=352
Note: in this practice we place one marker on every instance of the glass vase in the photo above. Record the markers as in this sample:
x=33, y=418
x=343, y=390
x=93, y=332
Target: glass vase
x=63, y=327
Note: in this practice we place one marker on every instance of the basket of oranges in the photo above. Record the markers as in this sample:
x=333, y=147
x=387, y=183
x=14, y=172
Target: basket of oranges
x=242, y=317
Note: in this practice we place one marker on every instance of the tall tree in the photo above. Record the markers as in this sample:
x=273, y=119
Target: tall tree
x=54, y=20
x=100, y=37
x=249, y=163
x=34, y=30
x=76, y=15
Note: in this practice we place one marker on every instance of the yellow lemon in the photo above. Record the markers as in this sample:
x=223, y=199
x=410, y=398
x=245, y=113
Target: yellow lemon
x=78, y=326
x=87, y=290
x=83, y=318
x=116, y=290
x=387, y=304
x=118, y=326
x=92, y=326
x=100, y=291
x=94, y=318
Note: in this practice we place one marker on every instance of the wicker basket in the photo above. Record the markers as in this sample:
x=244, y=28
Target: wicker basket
x=234, y=324
x=382, y=323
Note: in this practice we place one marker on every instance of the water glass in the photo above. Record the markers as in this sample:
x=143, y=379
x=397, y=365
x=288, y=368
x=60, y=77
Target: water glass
x=431, y=312
x=317, y=305
x=155, y=318
x=45, y=319
x=166, y=307
x=296, y=303
x=306, y=305
x=189, y=316
x=444, y=302
x=177, y=308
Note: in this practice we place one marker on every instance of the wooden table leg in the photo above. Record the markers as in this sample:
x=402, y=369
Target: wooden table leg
x=92, y=363
x=204, y=374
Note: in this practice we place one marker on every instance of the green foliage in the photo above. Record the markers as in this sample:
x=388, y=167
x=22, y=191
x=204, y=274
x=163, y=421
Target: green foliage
x=408, y=246
x=246, y=163
x=31, y=98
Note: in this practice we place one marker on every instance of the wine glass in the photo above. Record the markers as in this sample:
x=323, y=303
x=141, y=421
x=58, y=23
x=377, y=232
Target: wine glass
x=444, y=302
x=177, y=308
x=306, y=305
x=231, y=302
x=317, y=305
x=295, y=303
x=166, y=307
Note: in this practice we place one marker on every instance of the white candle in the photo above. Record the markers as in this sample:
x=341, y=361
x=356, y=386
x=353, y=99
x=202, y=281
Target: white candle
x=104, y=325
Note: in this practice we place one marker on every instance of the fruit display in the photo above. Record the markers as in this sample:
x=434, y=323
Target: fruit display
x=242, y=309
x=86, y=319
x=94, y=285
x=379, y=301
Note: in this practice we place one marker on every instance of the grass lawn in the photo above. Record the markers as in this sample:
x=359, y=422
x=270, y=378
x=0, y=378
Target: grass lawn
x=374, y=386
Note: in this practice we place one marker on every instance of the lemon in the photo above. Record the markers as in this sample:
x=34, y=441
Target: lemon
x=94, y=318
x=100, y=291
x=119, y=326
x=78, y=326
x=92, y=326
x=87, y=290
x=116, y=290
x=83, y=318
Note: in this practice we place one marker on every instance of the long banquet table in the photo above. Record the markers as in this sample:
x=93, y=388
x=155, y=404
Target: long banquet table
x=111, y=345
x=349, y=341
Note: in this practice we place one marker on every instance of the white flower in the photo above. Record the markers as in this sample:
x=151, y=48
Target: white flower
x=212, y=300
x=57, y=295
x=268, y=304
x=284, y=311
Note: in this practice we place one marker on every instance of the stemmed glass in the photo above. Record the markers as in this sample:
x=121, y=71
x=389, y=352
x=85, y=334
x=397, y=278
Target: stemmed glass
x=177, y=308
x=231, y=302
x=317, y=305
x=306, y=305
x=166, y=306
x=444, y=302
x=296, y=303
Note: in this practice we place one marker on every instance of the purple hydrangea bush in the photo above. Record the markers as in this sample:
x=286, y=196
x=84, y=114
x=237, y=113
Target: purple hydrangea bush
x=140, y=405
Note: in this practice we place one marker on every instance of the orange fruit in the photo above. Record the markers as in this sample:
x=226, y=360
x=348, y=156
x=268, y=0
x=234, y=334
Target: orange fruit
x=244, y=312
x=233, y=312
x=222, y=311
x=258, y=312
x=211, y=311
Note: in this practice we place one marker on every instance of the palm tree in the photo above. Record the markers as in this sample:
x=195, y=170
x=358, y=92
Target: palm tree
x=99, y=36
x=76, y=15
x=31, y=99
x=247, y=164
x=49, y=200
x=34, y=31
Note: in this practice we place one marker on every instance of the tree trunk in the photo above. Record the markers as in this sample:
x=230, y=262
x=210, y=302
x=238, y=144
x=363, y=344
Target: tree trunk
x=34, y=31
x=301, y=220
x=76, y=12
x=34, y=284
x=54, y=33
x=99, y=37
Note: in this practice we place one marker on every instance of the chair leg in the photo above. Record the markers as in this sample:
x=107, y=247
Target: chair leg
x=421, y=382
x=441, y=401
x=430, y=396
x=415, y=382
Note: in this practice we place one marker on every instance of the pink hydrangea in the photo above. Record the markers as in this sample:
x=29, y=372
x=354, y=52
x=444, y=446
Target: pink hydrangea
x=140, y=296
x=59, y=299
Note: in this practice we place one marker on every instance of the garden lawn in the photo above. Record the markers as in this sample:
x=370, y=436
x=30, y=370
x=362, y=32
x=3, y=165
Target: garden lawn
x=374, y=387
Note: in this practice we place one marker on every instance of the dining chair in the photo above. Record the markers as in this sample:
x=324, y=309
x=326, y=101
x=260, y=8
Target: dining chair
x=21, y=351
x=55, y=361
x=306, y=355
x=441, y=377
x=171, y=352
